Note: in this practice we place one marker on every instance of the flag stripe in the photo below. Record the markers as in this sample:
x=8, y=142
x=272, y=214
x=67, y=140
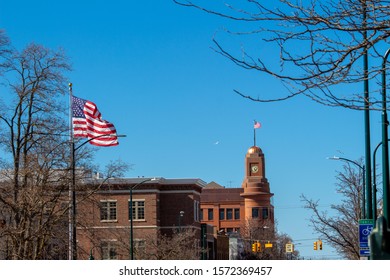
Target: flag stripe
x=87, y=123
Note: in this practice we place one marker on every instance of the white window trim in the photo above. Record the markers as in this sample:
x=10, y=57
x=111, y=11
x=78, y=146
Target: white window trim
x=138, y=200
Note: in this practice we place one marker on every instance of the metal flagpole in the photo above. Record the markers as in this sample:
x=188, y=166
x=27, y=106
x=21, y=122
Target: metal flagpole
x=72, y=253
x=254, y=134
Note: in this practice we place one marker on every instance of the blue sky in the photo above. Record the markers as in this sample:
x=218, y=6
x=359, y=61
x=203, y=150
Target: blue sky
x=149, y=67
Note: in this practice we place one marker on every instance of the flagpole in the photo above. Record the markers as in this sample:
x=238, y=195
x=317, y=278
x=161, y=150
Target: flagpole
x=254, y=133
x=254, y=136
x=72, y=254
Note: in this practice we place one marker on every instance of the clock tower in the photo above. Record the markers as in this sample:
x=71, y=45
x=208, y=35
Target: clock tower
x=256, y=194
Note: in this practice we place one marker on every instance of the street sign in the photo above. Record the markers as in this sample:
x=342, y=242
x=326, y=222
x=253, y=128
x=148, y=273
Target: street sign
x=289, y=247
x=365, y=228
x=364, y=251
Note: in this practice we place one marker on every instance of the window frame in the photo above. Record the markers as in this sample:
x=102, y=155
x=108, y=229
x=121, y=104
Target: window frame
x=229, y=213
x=109, y=249
x=237, y=214
x=138, y=214
x=265, y=213
x=221, y=214
x=210, y=214
x=255, y=212
x=106, y=213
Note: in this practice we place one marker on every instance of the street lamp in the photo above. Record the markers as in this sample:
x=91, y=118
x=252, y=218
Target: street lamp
x=385, y=148
x=363, y=196
x=181, y=214
x=72, y=254
x=131, y=214
x=91, y=257
x=380, y=236
x=374, y=190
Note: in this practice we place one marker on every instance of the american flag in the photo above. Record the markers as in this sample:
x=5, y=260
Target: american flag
x=87, y=123
x=256, y=124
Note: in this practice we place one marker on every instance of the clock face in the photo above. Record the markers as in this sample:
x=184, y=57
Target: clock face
x=254, y=168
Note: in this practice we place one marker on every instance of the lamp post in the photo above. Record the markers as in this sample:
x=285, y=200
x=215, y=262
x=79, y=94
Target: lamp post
x=374, y=189
x=363, y=196
x=91, y=257
x=380, y=236
x=72, y=254
x=385, y=148
x=181, y=214
x=131, y=214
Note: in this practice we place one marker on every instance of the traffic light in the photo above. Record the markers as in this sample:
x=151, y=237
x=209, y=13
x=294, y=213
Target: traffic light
x=315, y=245
x=258, y=246
x=320, y=244
x=254, y=247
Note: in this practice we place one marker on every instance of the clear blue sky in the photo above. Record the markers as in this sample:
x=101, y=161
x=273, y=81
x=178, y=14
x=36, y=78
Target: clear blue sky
x=149, y=67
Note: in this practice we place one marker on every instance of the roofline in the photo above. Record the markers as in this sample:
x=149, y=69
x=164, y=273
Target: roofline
x=153, y=180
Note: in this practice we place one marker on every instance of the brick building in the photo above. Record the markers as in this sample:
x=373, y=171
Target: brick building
x=164, y=206
x=159, y=207
x=241, y=210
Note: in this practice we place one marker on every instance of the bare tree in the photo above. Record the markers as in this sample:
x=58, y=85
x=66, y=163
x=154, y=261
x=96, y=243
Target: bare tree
x=182, y=244
x=316, y=48
x=272, y=243
x=34, y=168
x=340, y=228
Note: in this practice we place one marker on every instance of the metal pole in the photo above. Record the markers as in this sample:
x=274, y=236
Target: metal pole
x=131, y=224
x=374, y=188
x=364, y=209
x=385, y=148
x=362, y=213
x=368, y=183
x=374, y=209
x=380, y=236
x=74, y=239
x=131, y=216
x=72, y=204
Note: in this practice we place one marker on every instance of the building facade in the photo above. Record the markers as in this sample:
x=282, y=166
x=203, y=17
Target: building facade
x=209, y=213
x=160, y=208
x=244, y=210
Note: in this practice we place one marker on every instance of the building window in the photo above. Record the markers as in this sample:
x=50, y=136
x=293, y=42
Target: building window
x=196, y=210
x=229, y=214
x=222, y=214
x=108, y=210
x=265, y=213
x=139, y=246
x=237, y=214
x=138, y=210
x=201, y=215
x=109, y=250
x=255, y=212
x=210, y=214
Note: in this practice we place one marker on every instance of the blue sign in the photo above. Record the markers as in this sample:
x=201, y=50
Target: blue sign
x=364, y=252
x=364, y=233
x=365, y=228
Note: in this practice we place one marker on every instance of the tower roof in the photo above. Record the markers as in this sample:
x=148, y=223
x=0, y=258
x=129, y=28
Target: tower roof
x=254, y=150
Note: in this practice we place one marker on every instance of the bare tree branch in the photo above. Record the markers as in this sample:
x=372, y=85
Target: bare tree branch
x=339, y=228
x=321, y=45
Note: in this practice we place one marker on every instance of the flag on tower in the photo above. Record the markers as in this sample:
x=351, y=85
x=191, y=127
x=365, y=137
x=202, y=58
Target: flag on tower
x=257, y=124
x=87, y=123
